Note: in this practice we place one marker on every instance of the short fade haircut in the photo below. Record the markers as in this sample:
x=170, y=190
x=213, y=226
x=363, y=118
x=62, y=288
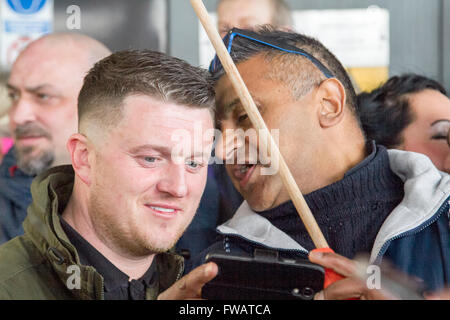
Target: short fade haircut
x=298, y=73
x=141, y=72
x=386, y=112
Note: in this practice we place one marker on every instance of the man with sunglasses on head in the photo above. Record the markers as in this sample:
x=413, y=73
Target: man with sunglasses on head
x=221, y=199
x=392, y=205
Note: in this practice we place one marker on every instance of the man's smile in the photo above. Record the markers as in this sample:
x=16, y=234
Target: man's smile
x=164, y=210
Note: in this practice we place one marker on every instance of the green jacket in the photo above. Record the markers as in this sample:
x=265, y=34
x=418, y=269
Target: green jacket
x=36, y=264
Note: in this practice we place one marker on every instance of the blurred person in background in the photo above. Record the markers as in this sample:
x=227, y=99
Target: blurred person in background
x=411, y=113
x=43, y=87
x=246, y=14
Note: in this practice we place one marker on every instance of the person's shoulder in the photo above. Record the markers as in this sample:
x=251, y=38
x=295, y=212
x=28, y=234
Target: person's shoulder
x=24, y=272
x=424, y=184
x=18, y=257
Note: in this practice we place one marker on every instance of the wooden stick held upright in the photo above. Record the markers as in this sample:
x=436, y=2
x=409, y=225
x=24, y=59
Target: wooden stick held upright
x=255, y=117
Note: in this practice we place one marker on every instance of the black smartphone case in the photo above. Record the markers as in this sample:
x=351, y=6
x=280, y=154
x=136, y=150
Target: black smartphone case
x=264, y=276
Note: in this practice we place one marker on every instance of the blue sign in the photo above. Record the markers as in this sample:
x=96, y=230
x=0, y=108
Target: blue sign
x=26, y=6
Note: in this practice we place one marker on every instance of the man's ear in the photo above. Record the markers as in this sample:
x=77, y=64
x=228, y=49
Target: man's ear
x=79, y=149
x=332, y=99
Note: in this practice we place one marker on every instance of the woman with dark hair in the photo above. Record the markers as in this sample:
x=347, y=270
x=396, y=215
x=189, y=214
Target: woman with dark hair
x=411, y=113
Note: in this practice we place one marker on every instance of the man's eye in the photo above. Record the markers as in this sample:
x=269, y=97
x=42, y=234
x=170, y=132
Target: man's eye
x=439, y=137
x=13, y=96
x=242, y=118
x=194, y=165
x=150, y=159
x=43, y=96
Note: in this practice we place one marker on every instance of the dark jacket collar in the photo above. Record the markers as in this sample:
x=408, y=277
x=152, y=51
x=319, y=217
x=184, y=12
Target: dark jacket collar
x=113, y=277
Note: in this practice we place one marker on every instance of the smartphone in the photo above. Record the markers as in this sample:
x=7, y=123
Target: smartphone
x=263, y=276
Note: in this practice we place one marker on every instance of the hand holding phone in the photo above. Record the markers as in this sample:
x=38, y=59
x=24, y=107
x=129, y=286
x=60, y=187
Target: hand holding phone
x=263, y=276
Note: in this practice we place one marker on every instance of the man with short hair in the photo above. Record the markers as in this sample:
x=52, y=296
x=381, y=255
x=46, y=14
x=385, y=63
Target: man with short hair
x=247, y=14
x=103, y=227
x=390, y=204
x=43, y=86
x=221, y=199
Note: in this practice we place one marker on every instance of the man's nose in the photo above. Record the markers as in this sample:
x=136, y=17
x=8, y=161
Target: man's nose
x=22, y=112
x=228, y=144
x=174, y=181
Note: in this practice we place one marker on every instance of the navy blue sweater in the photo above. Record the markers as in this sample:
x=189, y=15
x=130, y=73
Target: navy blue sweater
x=350, y=211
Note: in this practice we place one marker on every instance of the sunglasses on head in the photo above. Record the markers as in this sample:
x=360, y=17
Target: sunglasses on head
x=216, y=65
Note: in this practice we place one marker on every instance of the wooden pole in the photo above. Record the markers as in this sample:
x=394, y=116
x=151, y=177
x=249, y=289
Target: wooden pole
x=255, y=117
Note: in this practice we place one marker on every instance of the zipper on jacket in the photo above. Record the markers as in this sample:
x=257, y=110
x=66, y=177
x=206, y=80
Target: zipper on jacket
x=102, y=294
x=383, y=248
x=180, y=272
x=413, y=231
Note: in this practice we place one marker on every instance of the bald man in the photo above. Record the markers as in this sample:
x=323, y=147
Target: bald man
x=43, y=87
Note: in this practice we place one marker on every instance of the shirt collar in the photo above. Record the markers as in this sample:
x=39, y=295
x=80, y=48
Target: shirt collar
x=113, y=277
